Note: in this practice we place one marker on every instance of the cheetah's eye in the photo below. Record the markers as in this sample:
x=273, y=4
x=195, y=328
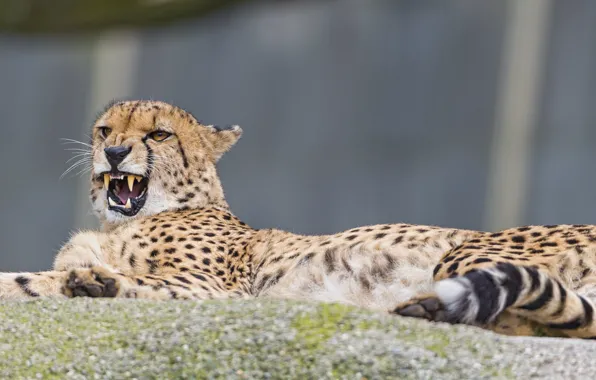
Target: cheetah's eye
x=104, y=131
x=159, y=135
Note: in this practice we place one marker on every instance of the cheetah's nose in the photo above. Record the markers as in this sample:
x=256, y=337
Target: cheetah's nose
x=116, y=154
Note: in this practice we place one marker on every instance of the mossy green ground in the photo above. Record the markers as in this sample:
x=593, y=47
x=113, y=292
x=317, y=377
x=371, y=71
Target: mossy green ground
x=86, y=338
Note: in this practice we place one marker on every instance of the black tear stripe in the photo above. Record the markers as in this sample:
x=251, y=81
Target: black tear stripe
x=149, y=157
x=24, y=285
x=487, y=293
x=123, y=250
x=262, y=285
x=183, y=153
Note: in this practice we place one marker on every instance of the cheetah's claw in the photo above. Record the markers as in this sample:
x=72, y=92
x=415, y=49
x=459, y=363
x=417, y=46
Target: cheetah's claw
x=91, y=282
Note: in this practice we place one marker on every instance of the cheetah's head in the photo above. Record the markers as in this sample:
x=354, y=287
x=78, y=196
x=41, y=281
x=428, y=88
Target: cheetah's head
x=150, y=157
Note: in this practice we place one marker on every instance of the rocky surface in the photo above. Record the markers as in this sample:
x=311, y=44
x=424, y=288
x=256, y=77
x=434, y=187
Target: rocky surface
x=115, y=339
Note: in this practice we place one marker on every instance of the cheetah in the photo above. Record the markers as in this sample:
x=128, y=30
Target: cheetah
x=167, y=232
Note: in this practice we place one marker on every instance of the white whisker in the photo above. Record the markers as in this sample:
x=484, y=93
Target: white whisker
x=79, y=150
x=83, y=171
x=77, y=156
x=72, y=141
x=83, y=161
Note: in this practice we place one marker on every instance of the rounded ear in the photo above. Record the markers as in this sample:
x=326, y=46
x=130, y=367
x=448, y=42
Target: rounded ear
x=222, y=138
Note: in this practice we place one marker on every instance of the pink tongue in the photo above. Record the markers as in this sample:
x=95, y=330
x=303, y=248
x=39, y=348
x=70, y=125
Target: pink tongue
x=124, y=193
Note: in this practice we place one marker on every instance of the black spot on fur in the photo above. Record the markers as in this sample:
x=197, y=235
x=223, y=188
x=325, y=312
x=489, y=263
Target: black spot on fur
x=548, y=244
x=398, y=240
x=23, y=283
x=199, y=276
x=448, y=259
x=152, y=265
x=183, y=279
x=329, y=260
x=452, y=268
x=305, y=259
x=365, y=282
x=481, y=260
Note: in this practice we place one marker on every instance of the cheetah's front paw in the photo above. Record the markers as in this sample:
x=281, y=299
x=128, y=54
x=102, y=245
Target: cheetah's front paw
x=91, y=282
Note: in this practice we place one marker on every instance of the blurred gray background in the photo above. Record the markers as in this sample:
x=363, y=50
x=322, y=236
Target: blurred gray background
x=457, y=113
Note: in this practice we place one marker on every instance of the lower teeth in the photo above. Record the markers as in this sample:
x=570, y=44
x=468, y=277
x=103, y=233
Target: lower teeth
x=113, y=203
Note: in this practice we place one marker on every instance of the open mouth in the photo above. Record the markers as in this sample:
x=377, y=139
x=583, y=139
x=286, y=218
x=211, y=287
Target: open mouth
x=126, y=192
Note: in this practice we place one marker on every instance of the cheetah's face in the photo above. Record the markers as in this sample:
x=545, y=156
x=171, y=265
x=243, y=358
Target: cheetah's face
x=150, y=157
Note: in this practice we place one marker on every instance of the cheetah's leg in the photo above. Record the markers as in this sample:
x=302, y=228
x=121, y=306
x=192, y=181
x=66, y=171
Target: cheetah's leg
x=84, y=249
x=32, y=284
x=101, y=282
x=481, y=296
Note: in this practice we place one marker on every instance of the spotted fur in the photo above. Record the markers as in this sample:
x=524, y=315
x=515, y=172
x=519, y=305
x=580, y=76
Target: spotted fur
x=185, y=243
x=532, y=280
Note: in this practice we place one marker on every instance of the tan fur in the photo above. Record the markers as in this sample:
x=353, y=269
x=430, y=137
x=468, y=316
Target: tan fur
x=563, y=255
x=186, y=243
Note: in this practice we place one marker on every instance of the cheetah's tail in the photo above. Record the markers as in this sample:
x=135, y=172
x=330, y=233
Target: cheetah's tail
x=481, y=295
